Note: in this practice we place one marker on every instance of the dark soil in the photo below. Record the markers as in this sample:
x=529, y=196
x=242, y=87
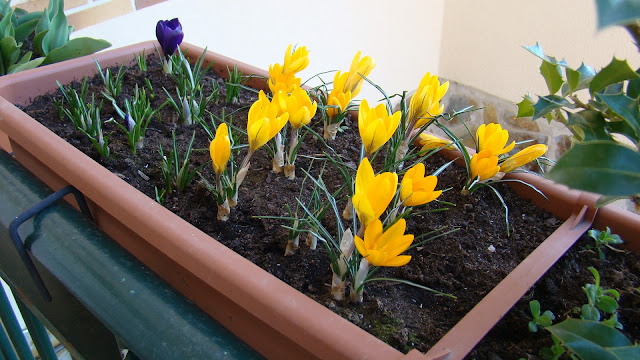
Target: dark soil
x=467, y=263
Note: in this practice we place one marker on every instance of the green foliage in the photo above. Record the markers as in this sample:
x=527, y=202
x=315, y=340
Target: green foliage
x=599, y=300
x=617, y=12
x=112, y=84
x=603, y=167
x=234, y=84
x=191, y=102
x=176, y=172
x=605, y=158
x=141, y=60
x=50, y=33
x=592, y=340
x=545, y=319
x=604, y=238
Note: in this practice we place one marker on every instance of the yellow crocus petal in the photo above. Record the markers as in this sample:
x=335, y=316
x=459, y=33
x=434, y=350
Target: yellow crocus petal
x=296, y=61
x=384, y=248
x=428, y=141
x=299, y=106
x=484, y=164
x=417, y=189
x=373, y=192
x=340, y=100
x=281, y=81
x=358, y=66
x=376, y=126
x=263, y=121
x=220, y=149
x=493, y=138
x=425, y=102
x=523, y=156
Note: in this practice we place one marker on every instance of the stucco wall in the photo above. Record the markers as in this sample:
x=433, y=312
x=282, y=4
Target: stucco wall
x=482, y=42
x=403, y=37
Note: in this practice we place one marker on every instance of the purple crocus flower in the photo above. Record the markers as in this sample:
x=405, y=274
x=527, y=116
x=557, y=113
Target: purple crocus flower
x=169, y=34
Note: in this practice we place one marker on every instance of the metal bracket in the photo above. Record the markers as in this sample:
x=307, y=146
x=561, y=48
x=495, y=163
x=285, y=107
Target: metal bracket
x=35, y=210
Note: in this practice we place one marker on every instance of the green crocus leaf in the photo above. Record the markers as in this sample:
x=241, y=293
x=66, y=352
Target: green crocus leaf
x=525, y=107
x=624, y=106
x=603, y=167
x=590, y=340
x=617, y=12
x=546, y=104
x=616, y=71
x=75, y=48
x=552, y=76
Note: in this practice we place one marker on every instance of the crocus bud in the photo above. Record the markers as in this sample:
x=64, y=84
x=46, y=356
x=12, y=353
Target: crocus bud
x=186, y=112
x=129, y=123
x=169, y=34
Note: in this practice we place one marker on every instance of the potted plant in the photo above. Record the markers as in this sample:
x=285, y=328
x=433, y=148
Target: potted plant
x=243, y=297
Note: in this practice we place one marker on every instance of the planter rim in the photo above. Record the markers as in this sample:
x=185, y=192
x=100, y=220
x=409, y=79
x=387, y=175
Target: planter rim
x=219, y=267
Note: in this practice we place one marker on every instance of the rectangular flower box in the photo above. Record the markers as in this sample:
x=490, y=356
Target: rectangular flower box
x=272, y=317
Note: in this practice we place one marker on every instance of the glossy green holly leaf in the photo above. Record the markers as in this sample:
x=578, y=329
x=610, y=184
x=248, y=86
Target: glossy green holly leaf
x=603, y=167
x=525, y=107
x=546, y=104
x=591, y=340
x=577, y=79
x=552, y=75
x=75, y=48
x=537, y=51
x=625, y=107
x=615, y=72
x=617, y=12
x=592, y=124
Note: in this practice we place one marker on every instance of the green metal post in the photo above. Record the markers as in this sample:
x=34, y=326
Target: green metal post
x=13, y=328
x=6, y=350
x=38, y=332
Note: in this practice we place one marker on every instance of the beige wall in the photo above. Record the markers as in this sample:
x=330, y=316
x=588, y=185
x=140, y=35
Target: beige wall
x=482, y=42
x=402, y=36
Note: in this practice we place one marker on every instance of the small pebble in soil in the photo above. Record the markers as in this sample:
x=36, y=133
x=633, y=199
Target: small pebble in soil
x=491, y=248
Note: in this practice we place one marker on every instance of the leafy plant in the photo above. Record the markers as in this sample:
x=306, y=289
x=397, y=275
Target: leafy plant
x=600, y=299
x=112, y=84
x=137, y=114
x=234, y=84
x=606, y=125
x=545, y=319
x=141, y=60
x=50, y=32
x=604, y=238
x=176, y=172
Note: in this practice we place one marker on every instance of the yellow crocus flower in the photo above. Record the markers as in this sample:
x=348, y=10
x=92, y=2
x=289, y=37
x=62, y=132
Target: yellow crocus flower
x=373, y=192
x=359, y=66
x=295, y=61
x=416, y=189
x=263, y=121
x=484, y=164
x=384, y=248
x=220, y=149
x=339, y=99
x=493, y=138
x=376, y=126
x=299, y=106
x=428, y=141
x=281, y=81
x=522, y=157
x=425, y=102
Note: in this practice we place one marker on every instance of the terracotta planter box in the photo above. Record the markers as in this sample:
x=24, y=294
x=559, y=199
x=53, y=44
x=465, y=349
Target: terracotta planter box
x=275, y=319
